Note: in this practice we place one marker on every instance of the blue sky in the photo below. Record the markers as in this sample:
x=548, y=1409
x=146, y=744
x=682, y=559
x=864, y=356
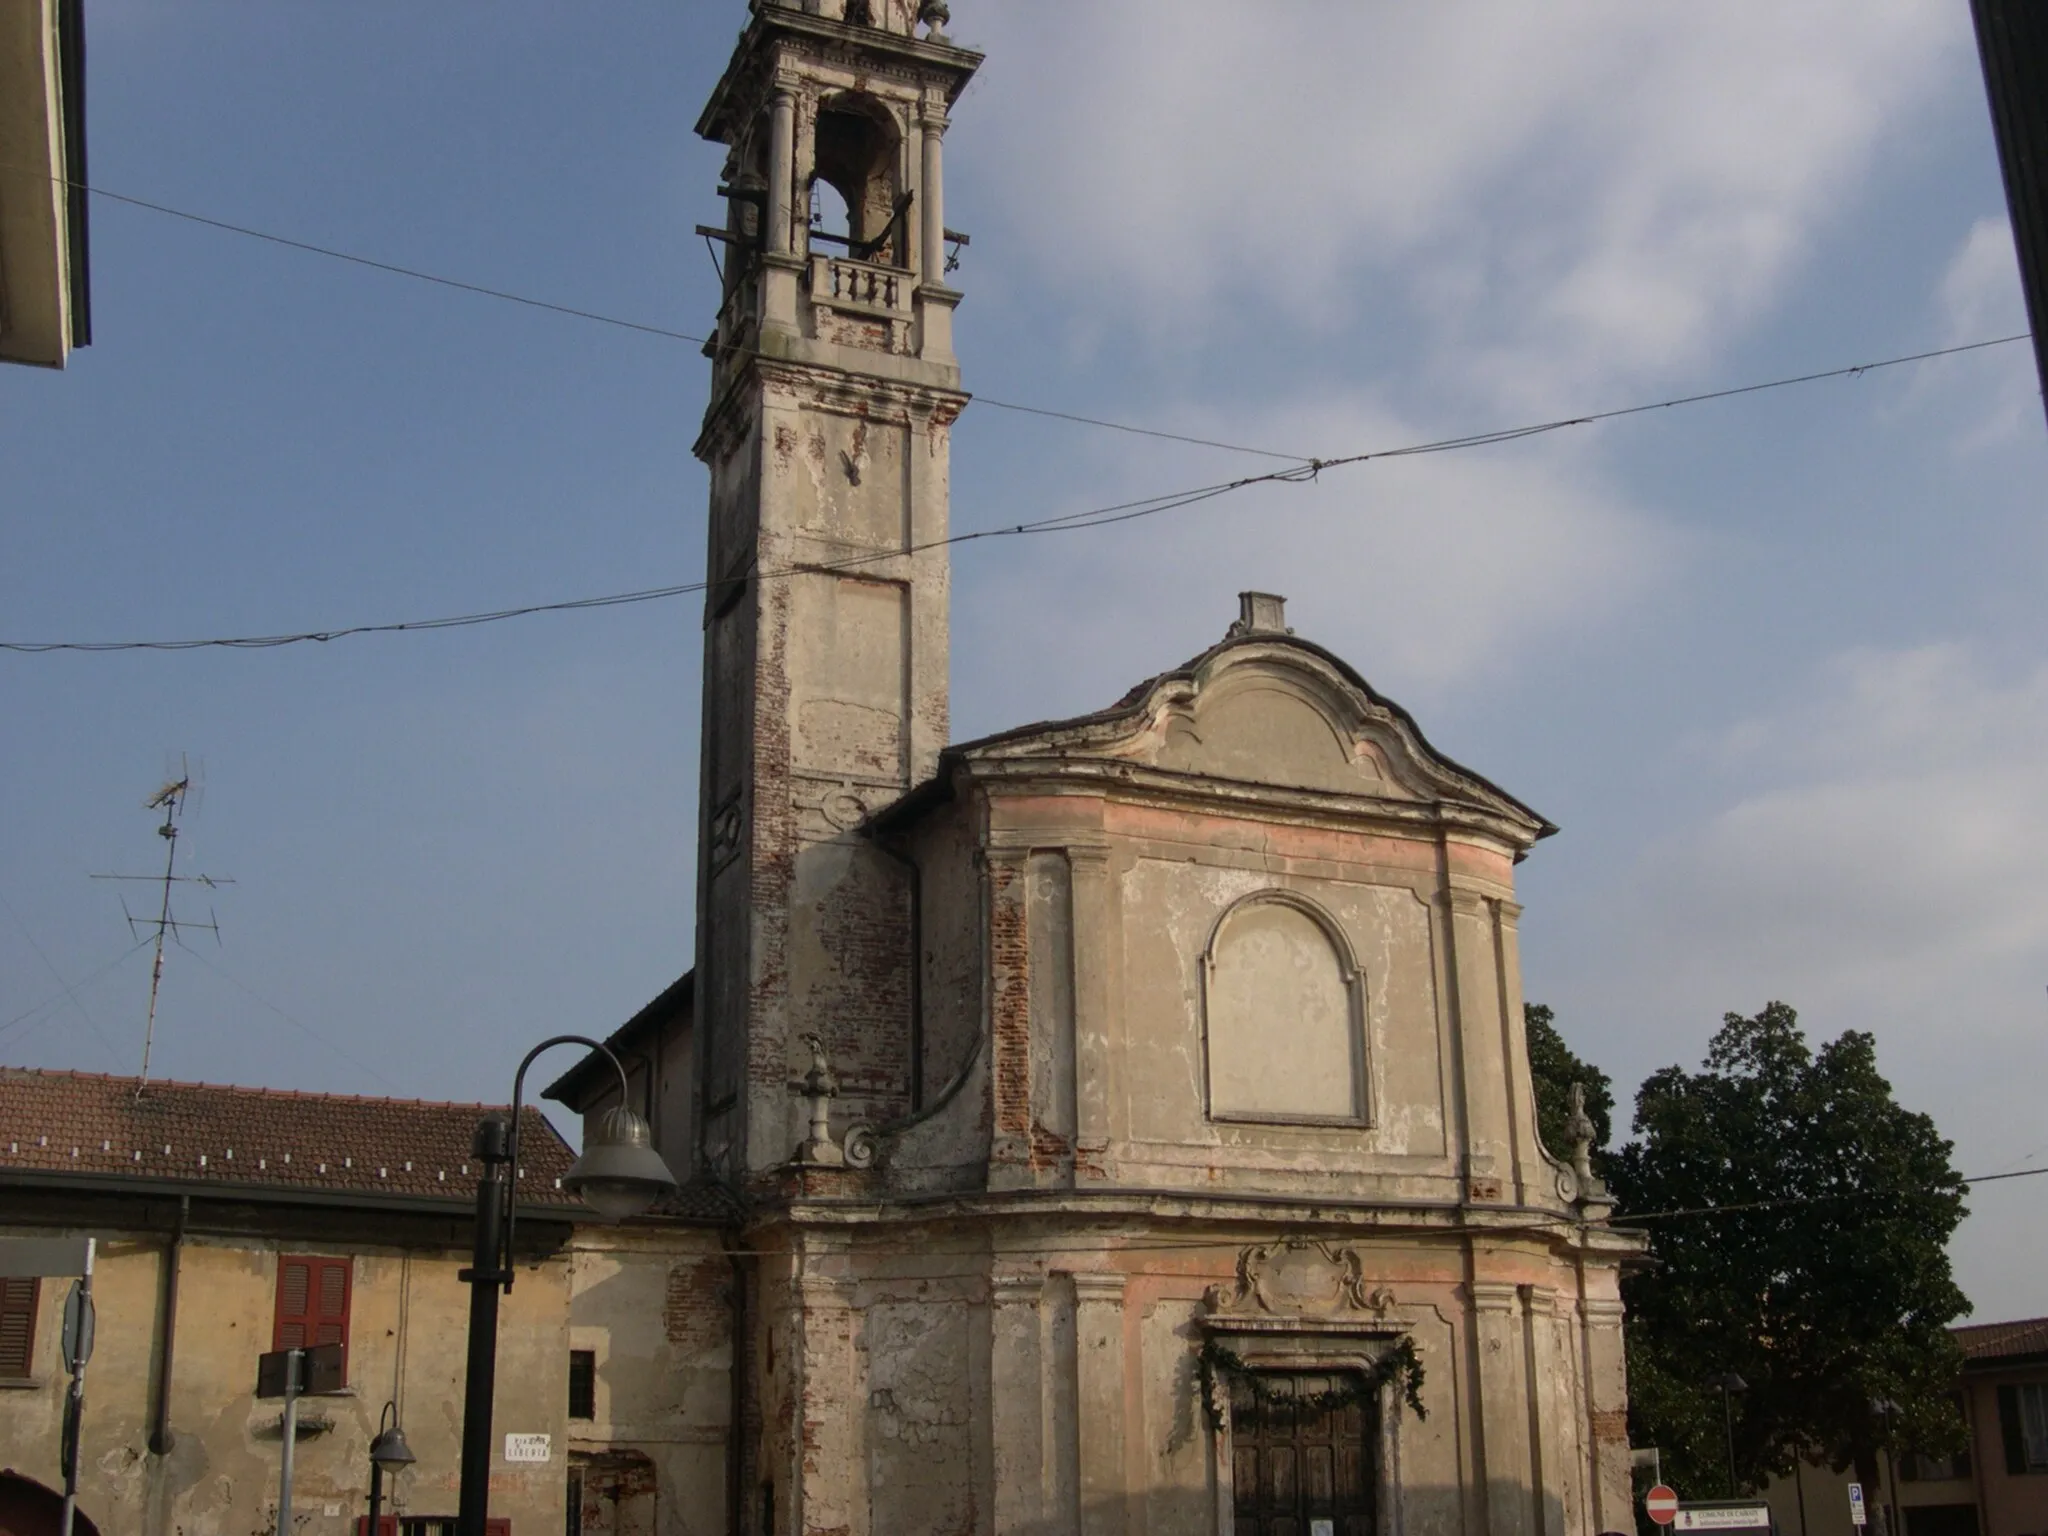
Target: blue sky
x=1777, y=665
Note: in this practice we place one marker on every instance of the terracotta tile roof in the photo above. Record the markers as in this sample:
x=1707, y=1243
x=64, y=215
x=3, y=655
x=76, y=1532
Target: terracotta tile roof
x=96, y=1125
x=1996, y=1341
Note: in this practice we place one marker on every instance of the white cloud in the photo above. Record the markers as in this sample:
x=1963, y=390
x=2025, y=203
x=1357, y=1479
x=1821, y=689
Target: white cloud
x=1573, y=192
x=1876, y=861
x=1427, y=573
x=1979, y=298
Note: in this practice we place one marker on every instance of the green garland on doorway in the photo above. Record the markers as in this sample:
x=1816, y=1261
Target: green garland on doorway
x=1399, y=1364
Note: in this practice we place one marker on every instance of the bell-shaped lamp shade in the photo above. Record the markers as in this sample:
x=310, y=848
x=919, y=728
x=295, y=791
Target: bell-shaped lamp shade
x=390, y=1451
x=619, y=1174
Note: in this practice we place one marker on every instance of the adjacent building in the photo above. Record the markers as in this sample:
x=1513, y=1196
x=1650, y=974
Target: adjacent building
x=1996, y=1486
x=45, y=297
x=234, y=1221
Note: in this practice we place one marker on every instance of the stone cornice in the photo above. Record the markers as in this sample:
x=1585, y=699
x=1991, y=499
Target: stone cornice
x=1175, y=789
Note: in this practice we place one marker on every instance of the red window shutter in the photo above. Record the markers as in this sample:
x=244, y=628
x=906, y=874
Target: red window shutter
x=17, y=1326
x=313, y=1296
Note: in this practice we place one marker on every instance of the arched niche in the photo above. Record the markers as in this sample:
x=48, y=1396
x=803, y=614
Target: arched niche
x=1283, y=1008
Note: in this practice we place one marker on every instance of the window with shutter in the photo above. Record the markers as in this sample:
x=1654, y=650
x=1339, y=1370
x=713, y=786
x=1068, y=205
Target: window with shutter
x=312, y=1304
x=17, y=1327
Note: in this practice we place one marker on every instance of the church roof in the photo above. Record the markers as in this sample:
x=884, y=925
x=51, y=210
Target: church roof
x=1261, y=633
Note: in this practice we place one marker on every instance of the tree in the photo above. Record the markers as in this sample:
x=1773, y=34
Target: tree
x=1555, y=1068
x=1800, y=1220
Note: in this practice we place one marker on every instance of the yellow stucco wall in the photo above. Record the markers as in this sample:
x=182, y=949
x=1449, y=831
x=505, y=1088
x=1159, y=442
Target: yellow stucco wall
x=407, y=1341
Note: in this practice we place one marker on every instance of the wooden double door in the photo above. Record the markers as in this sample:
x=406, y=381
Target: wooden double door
x=1304, y=1456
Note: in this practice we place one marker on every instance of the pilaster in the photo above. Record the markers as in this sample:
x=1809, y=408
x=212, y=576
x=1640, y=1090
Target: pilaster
x=1100, y=1397
x=1606, y=1396
x=1096, y=925
x=1507, y=1466
x=1552, y=1471
x=1020, y=1407
x=1483, y=1067
x=828, y=1491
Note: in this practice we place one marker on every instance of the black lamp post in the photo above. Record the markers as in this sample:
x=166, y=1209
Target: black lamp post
x=388, y=1450
x=619, y=1175
x=1730, y=1384
x=1884, y=1408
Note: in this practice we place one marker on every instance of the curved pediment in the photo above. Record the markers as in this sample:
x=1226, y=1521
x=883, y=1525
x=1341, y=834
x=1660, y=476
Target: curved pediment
x=1267, y=710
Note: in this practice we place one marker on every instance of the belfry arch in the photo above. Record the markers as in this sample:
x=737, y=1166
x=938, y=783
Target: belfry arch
x=858, y=153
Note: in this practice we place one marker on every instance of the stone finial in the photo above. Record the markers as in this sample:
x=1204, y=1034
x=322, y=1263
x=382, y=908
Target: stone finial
x=935, y=14
x=819, y=1087
x=1260, y=613
x=1578, y=1127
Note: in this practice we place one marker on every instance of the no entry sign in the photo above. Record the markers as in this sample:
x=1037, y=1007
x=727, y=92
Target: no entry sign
x=1661, y=1505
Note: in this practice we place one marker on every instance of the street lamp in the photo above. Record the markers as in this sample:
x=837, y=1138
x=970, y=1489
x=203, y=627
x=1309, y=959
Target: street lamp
x=619, y=1175
x=387, y=1452
x=1730, y=1384
x=1884, y=1408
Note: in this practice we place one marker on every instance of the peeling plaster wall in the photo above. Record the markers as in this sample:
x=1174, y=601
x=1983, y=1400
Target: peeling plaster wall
x=655, y=1308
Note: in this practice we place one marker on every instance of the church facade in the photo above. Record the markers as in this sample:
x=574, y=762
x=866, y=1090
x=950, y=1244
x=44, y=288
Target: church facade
x=1132, y=1112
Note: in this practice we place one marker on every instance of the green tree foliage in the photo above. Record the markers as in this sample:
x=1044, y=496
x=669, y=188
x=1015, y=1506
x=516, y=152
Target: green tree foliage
x=1555, y=1068
x=1824, y=1307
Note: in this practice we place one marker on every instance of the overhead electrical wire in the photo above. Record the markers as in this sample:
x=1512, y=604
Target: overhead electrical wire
x=484, y=290
x=1067, y=522
x=1301, y=467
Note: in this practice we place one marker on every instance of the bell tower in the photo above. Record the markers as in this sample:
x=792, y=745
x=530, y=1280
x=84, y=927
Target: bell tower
x=834, y=386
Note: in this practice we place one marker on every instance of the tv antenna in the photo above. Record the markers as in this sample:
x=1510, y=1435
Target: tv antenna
x=177, y=798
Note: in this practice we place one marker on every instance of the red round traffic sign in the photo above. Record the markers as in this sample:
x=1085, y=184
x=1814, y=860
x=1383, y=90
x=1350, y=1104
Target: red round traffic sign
x=1661, y=1505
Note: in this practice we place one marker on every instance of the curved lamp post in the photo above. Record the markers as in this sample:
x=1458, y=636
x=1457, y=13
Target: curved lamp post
x=619, y=1175
x=388, y=1452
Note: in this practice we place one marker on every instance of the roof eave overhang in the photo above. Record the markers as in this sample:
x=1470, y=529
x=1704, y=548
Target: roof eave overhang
x=229, y=1192
x=40, y=275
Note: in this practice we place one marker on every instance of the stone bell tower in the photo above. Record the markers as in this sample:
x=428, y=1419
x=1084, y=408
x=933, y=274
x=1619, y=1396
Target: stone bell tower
x=834, y=386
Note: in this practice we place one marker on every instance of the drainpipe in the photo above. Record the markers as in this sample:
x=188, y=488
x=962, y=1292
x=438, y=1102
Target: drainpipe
x=736, y=1428
x=161, y=1439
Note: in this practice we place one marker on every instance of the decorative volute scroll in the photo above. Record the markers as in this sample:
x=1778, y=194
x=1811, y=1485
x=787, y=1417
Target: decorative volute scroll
x=1299, y=1277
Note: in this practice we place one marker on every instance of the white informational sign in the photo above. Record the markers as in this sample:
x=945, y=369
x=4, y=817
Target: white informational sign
x=1322, y=1528
x=1725, y=1517
x=527, y=1447
x=1856, y=1514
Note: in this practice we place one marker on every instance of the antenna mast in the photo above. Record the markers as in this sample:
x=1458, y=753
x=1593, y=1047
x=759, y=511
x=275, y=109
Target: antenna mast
x=172, y=799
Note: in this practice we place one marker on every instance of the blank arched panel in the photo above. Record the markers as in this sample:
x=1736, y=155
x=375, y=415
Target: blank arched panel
x=1284, y=1018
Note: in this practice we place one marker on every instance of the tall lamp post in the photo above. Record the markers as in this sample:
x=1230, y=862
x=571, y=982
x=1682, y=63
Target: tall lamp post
x=1884, y=1408
x=619, y=1175
x=388, y=1452
x=1730, y=1384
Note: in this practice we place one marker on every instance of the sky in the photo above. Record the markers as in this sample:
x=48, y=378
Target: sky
x=1777, y=665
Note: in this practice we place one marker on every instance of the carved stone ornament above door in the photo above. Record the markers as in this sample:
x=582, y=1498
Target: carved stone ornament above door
x=1299, y=1277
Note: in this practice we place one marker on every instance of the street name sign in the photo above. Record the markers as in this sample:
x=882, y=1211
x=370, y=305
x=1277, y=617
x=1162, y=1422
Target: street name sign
x=527, y=1447
x=26, y=1257
x=1724, y=1517
x=319, y=1371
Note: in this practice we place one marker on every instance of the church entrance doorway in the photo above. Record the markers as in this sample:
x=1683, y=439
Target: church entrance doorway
x=1303, y=1457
